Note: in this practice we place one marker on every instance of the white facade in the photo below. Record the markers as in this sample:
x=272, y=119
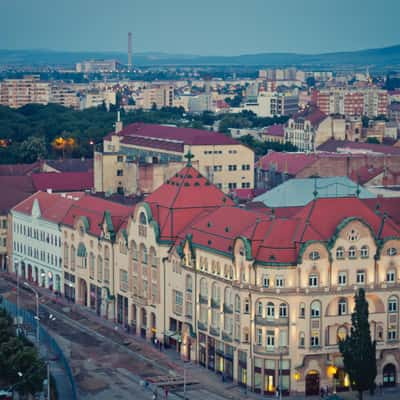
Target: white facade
x=37, y=249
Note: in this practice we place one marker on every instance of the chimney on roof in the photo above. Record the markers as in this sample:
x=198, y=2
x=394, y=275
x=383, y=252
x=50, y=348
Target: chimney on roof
x=118, y=125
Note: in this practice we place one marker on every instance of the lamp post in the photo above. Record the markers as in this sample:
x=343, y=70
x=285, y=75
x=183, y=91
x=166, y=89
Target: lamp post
x=280, y=372
x=17, y=313
x=37, y=312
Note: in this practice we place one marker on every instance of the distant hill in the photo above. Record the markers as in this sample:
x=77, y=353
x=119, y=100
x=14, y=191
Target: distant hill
x=382, y=57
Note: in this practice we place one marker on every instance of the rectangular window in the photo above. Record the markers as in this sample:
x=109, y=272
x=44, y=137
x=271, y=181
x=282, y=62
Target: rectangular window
x=178, y=296
x=270, y=339
x=231, y=167
x=120, y=158
x=390, y=276
x=265, y=281
x=259, y=337
x=245, y=185
x=280, y=282
x=314, y=340
x=342, y=278
x=245, y=167
x=313, y=281
x=232, y=185
x=392, y=334
x=120, y=172
x=360, y=276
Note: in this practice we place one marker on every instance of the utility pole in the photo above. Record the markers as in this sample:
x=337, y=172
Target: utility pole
x=184, y=380
x=37, y=313
x=48, y=380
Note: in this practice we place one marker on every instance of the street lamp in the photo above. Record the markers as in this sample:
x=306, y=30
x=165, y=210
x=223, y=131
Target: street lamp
x=37, y=312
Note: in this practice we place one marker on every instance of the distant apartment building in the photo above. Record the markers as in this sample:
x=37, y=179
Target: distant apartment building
x=92, y=66
x=157, y=95
x=16, y=93
x=370, y=102
x=311, y=127
x=271, y=104
x=64, y=95
x=97, y=98
x=121, y=166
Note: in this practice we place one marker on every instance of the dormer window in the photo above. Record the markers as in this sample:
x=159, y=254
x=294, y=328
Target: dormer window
x=391, y=251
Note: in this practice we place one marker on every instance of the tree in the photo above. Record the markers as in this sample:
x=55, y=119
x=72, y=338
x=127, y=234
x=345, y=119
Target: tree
x=32, y=149
x=358, y=349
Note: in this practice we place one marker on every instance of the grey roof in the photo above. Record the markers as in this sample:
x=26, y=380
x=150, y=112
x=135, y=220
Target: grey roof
x=298, y=192
x=71, y=164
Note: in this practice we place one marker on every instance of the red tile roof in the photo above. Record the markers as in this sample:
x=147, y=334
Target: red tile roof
x=388, y=205
x=275, y=130
x=312, y=114
x=18, y=169
x=183, y=197
x=290, y=163
x=160, y=133
x=16, y=189
x=333, y=145
x=93, y=208
x=365, y=174
x=53, y=207
x=63, y=181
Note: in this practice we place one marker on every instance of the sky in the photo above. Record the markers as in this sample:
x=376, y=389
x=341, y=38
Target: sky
x=202, y=27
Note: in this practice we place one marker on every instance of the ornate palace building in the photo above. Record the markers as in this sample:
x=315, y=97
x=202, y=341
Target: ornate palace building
x=258, y=295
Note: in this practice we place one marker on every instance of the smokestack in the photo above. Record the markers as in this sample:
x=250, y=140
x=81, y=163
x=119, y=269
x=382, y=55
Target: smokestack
x=129, y=51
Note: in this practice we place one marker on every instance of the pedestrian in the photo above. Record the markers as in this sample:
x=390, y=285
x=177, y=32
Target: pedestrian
x=155, y=342
x=154, y=396
x=322, y=392
x=166, y=393
x=327, y=389
x=277, y=392
x=160, y=343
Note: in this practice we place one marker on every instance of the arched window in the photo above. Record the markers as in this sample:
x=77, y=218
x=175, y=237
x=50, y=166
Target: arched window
x=134, y=250
x=391, y=251
x=392, y=304
x=228, y=297
x=73, y=254
x=302, y=310
x=237, y=303
x=259, y=308
x=203, y=288
x=283, y=310
x=91, y=265
x=246, y=306
x=189, y=283
x=231, y=275
x=142, y=218
x=341, y=333
x=270, y=311
x=302, y=340
x=153, y=257
x=340, y=253
x=315, y=309
x=314, y=255
x=364, y=252
x=342, y=306
x=391, y=276
x=143, y=254
x=215, y=292
x=99, y=268
x=352, y=252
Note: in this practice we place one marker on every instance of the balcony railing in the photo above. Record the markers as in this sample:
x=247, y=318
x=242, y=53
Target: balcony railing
x=202, y=326
x=214, y=331
x=215, y=303
x=203, y=299
x=228, y=308
x=226, y=336
x=271, y=321
x=262, y=350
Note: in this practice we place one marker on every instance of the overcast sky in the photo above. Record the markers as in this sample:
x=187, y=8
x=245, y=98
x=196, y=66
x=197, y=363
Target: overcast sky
x=217, y=27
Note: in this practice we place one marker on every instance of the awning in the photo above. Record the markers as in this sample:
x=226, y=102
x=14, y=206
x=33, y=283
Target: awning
x=177, y=337
x=82, y=250
x=169, y=333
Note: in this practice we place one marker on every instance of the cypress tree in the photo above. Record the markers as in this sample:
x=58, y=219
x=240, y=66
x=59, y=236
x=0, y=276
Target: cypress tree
x=359, y=350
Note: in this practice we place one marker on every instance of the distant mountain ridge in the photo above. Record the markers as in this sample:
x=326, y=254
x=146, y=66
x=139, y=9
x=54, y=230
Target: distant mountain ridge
x=386, y=56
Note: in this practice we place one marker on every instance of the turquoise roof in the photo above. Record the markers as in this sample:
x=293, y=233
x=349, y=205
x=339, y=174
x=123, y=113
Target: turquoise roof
x=298, y=192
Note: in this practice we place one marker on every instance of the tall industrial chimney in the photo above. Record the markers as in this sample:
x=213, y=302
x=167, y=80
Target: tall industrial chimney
x=129, y=51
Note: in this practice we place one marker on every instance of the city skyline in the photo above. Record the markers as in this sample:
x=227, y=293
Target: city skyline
x=226, y=28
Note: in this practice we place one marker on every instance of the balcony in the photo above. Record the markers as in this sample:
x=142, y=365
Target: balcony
x=228, y=308
x=214, y=331
x=215, y=303
x=203, y=299
x=271, y=321
x=201, y=326
x=265, y=351
x=227, y=337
